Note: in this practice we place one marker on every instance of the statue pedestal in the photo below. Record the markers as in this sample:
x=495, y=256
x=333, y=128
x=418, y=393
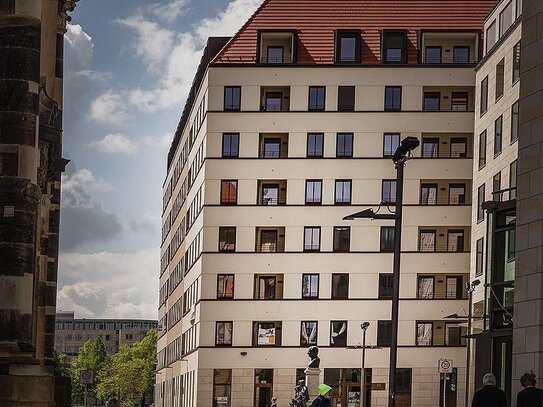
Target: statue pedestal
x=312, y=381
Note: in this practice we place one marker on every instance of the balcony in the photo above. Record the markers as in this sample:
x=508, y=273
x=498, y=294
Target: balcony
x=277, y=47
x=445, y=192
x=440, y=333
x=268, y=287
x=273, y=145
x=442, y=287
x=441, y=239
x=272, y=192
x=438, y=145
x=459, y=48
x=447, y=99
x=270, y=240
x=275, y=99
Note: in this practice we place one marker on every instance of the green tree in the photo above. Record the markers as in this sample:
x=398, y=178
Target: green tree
x=62, y=367
x=92, y=356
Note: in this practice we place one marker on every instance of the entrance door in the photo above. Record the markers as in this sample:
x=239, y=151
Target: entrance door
x=263, y=387
x=450, y=387
x=403, y=387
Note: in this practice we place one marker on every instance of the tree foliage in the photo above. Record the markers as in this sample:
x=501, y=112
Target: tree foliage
x=92, y=356
x=62, y=367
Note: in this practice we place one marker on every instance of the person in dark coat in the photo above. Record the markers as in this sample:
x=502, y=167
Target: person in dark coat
x=324, y=399
x=489, y=395
x=531, y=396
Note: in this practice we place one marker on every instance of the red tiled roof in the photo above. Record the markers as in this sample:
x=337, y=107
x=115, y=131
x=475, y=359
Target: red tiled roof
x=316, y=21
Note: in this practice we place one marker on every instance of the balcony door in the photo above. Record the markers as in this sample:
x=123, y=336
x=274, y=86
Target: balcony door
x=268, y=241
x=270, y=194
x=459, y=147
x=430, y=147
x=457, y=194
x=455, y=241
x=272, y=148
x=274, y=101
x=275, y=54
x=454, y=287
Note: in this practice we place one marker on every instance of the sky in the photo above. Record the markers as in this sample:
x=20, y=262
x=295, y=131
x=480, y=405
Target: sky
x=129, y=65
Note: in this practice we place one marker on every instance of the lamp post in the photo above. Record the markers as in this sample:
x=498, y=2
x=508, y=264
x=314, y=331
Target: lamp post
x=471, y=288
x=364, y=326
x=400, y=157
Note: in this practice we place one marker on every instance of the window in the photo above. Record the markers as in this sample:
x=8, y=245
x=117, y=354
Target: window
x=222, y=387
x=270, y=195
x=432, y=55
x=459, y=147
x=230, y=145
x=428, y=194
x=223, y=333
x=454, y=334
x=455, y=240
x=425, y=287
x=516, y=62
x=518, y=8
x=317, y=97
x=484, y=95
x=455, y=287
x=345, y=98
x=457, y=194
x=315, y=144
x=232, y=98
x=229, y=192
x=312, y=238
x=384, y=333
x=506, y=18
x=343, y=192
x=268, y=241
x=225, y=286
x=347, y=47
x=391, y=141
x=344, y=145
x=394, y=47
x=387, y=239
x=342, y=238
x=393, y=98
x=388, y=192
x=313, y=191
x=514, y=122
x=275, y=54
x=430, y=147
x=459, y=101
x=513, y=180
x=431, y=101
x=267, y=334
x=308, y=334
x=338, y=333
x=266, y=287
x=386, y=283
x=227, y=239
x=496, y=185
x=340, y=286
x=479, y=257
x=310, y=286
x=500, y=80
x=271, y=148
x=424, y=333
x=461, y=55
x=427, y=241
x=490, y=36
x=480, y=200
x=498, y=126
x=482, y=149
x=273, y=102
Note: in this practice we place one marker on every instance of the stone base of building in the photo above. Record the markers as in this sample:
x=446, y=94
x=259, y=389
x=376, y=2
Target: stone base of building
x=27, y=386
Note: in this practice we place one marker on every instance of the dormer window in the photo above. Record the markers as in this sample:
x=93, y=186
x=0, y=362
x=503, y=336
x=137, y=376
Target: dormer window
x=394, y=45
x=347, y=47
x=276, y=47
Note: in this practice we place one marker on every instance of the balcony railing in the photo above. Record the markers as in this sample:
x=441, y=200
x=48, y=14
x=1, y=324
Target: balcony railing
x=450, y=60
x=430, y=106
x=504, y=194
x=440, y=296
x=443, y=249
x=444, y=201
x=285, y=59
x=272, y=154
x=271, y=201
x=270, y=248
x=432, y=153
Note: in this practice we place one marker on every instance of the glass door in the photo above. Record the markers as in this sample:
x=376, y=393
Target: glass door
x=263, y=387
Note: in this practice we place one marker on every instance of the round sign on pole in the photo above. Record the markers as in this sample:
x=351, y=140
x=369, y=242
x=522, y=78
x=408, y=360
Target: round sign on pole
x=86, y=377
x=445, y=366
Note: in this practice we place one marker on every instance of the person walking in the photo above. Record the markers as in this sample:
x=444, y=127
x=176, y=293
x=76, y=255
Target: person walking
x=273, y=402
x=324, y=399
x=489, y=395
x=531, y=396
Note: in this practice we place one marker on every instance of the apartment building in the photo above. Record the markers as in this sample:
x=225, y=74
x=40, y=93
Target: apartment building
x=31, y=163
x=71, y=333
x=495, y=188
x=289, y=127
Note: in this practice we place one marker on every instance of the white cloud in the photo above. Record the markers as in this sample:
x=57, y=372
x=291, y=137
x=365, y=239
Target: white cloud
x=169, y=11
x=79, y=43
x=76, y=185
x=95, y=284
x=162, y=140
x=177, y=55
x=115, y=143
x=109, y=108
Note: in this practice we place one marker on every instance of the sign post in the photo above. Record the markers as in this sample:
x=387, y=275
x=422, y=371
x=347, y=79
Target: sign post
x=86, y=377
x=444, y=367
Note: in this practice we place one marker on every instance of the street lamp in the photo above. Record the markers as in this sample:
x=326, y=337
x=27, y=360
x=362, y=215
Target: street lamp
x=364, y=326
x=400, y=157
x=471, y=288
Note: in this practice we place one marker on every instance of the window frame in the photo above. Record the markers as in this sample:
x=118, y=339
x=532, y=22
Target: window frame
x=515, y=122
x=337, y=243
x=343, y=106
x=339, y=35
x=227, y=229
x=223, y=343
x=311, y=295
x=316, y=107
x=234, y=108
x=417, y=323
x=392, y=187
x=433, y=47
x=343, y=343
x=381, y=294
x=226, y=297
x=459, y=47
x=343, y=182
x=515, y=68
x=393, y=107
x=317, y=137
x=231, y=136
x=390, y=134
x=343, y=296
x=383, y=328
x=319, y=181
x=384, y=47
x=346, y=153
x=275, y=47
x=229, y=201
x=482, y=149
x=500, y=79
x=498, y=136
x=382, y=246
x=480, y=200
x=483, y=106
x=431, y=96
x=312, y=228
x=309, y=343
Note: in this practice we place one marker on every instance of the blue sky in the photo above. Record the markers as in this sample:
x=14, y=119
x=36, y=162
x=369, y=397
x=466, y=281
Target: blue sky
x=128, y=67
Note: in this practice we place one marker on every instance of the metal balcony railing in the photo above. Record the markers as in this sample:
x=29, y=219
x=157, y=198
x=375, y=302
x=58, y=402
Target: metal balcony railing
x=444, y=201
x=263, y=153
x=504, y=194
x=429, y=152
x=285, y=59
x=270, y=248
x=439, y=296
x=271, y=201
x=460, y=106
x=450, y=59
x=443, y=249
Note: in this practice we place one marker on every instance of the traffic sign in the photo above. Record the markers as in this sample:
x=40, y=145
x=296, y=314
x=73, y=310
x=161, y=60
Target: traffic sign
x=86, y=377
x=445, y=366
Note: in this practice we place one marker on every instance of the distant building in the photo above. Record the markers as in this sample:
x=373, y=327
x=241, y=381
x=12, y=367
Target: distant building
x=72, y=333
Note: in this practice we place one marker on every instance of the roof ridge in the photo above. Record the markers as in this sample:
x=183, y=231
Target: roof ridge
x=238, y=33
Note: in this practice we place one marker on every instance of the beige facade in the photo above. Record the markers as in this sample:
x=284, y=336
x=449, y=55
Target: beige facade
x=435, y=241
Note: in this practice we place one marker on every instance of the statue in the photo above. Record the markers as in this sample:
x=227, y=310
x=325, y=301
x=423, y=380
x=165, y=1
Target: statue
x=301, y=397
x=313, y=353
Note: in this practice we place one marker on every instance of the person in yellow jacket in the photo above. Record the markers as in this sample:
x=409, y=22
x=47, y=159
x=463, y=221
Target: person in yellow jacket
x=324, y=399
